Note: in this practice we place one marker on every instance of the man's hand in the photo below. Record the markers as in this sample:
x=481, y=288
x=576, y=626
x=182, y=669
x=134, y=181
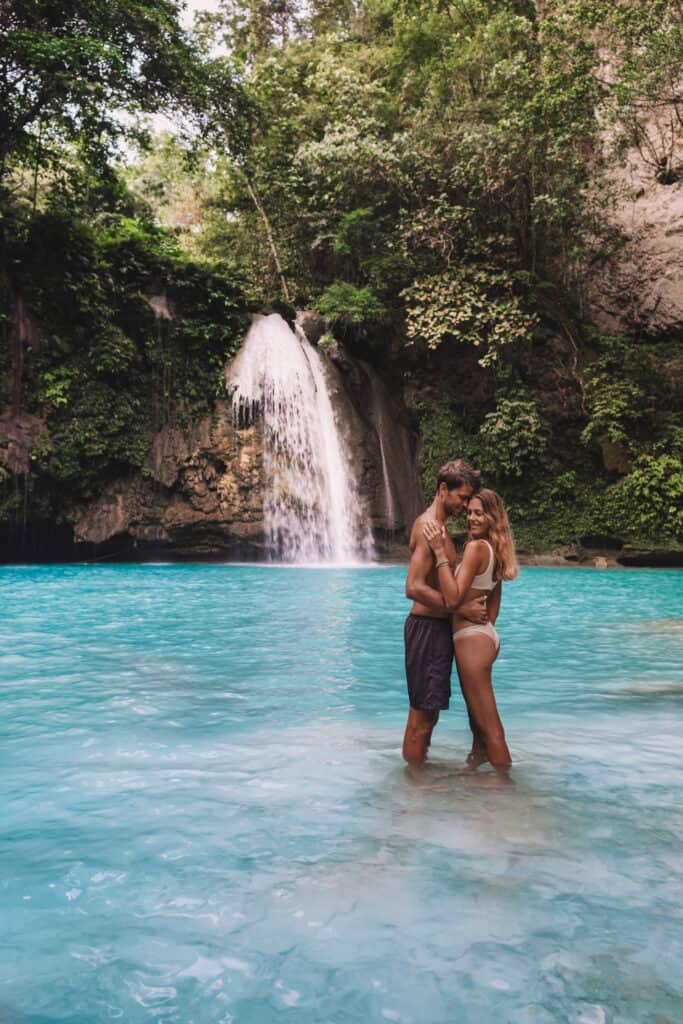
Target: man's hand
x=475, y=611
x=435, y=535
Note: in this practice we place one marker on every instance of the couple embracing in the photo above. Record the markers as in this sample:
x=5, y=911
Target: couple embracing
x=454, y=611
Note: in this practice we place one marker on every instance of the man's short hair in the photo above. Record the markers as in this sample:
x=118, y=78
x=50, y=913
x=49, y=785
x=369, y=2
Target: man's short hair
x=458, y=473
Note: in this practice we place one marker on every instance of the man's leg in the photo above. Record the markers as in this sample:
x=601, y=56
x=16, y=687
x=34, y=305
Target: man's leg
x=418, y=735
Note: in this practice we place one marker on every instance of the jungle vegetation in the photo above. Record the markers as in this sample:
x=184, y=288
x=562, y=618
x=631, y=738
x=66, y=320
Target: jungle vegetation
x=432, y=177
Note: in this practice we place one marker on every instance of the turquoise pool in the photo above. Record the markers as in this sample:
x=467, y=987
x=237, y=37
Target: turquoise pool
x=205, y=818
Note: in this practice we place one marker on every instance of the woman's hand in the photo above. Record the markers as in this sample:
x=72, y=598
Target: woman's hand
x=435, y=535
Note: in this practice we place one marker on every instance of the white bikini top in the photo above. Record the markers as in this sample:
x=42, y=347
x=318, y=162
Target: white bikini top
x=485, y=580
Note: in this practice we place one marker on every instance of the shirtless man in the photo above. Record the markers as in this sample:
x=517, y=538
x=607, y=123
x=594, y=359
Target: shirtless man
x=428, y=640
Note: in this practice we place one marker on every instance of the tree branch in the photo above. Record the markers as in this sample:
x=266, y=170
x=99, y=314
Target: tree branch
x=269, y=233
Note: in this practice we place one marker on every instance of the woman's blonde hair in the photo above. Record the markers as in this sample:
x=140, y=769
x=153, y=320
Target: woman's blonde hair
x=505, y=565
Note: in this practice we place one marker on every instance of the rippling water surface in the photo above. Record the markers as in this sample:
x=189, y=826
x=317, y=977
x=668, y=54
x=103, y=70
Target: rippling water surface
x=205, y=819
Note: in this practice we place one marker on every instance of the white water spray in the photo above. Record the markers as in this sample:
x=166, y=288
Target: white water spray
x=313, y=511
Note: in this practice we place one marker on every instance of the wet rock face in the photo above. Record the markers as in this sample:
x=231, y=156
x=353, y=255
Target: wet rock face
x=202, y=494
x=20, y=433
x=383, y=444
x=200, y=491
x=312, y=324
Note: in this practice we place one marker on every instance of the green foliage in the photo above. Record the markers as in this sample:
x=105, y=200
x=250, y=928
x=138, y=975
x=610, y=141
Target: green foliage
x=548, y=504
x=511, y=441
x=55, y=386
x=171, y=184
x=442, y=438
x=633, y=393
x=343, y=303
x=107, y=372
x=561, y=507
x=416, y=171
x=551, y=502
x=645, y=106
x=68, y=70
x=352, y=233
x=470, y=304
x=113, y=352
x=616, y=409
x=414, y=148
x=100, y=431
x=648, y=502
x=514, y=437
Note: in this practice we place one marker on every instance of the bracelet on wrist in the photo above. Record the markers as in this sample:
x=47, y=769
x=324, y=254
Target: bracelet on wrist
x=442, y=561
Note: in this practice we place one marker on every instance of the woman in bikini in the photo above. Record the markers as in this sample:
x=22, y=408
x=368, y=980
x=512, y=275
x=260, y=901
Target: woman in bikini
x=489, y=559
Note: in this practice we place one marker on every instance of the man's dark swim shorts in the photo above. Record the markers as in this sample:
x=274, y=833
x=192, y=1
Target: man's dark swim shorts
x=429, y=659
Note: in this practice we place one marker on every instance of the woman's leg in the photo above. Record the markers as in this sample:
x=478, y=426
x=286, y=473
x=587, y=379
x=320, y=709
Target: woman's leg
x=474, y=656
x=477, y=754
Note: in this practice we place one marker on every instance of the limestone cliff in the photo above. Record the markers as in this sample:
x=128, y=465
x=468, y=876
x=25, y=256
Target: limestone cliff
x=638, y=287
x=200, y=493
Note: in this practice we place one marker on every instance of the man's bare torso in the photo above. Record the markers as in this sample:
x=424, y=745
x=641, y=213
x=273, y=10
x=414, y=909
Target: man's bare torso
x=431, y=578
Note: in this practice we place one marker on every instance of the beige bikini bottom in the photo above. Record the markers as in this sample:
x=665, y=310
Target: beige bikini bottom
x=486, y=628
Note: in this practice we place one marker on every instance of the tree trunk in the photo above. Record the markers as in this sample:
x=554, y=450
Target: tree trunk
x=20, y=334
x=269, y=233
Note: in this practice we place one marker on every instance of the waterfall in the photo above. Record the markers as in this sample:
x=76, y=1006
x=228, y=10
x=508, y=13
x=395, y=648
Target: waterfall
x=401, y=498
x=313, y=511
x=378, y=416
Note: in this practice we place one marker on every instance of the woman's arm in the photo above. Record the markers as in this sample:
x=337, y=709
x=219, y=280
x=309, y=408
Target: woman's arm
x=493, y=602
x=453, y=587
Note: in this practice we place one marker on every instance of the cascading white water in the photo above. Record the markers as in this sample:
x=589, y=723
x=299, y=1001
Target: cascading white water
x=378, y=411
x=312, y=507
x=400, y=499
